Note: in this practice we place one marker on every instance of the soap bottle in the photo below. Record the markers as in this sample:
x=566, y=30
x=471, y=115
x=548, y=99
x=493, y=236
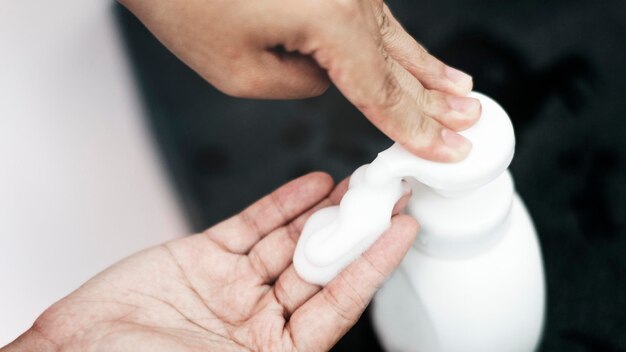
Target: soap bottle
x=473, y=280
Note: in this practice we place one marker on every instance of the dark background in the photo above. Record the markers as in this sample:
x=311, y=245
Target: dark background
x=557, y=67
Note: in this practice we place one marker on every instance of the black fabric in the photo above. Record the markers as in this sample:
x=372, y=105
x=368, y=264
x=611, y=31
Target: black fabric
x=556, y=66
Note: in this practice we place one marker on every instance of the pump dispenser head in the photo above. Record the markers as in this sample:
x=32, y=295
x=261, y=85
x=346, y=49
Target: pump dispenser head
x=493, y=142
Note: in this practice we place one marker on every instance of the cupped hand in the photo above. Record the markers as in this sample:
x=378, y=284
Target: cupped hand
x=232, y=287
x=291, y=49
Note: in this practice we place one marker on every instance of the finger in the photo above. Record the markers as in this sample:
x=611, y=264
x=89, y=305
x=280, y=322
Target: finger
x=239, y=233
x=290, y=290
x=337, y=307
x=284, y=75
x=273, y=254
x=431, y=72
x=403, y=201
x=355, y=64
x=454, y=112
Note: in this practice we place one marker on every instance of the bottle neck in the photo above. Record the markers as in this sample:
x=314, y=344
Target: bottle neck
x=461, y=224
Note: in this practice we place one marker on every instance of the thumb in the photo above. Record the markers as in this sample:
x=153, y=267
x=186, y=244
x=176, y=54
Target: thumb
x=327, y=316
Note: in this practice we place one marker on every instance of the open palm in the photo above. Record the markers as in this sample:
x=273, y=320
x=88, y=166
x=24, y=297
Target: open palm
x=232, y=287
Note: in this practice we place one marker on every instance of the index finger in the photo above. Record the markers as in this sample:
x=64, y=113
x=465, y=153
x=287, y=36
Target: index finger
x=356, y=63
x=241, y=232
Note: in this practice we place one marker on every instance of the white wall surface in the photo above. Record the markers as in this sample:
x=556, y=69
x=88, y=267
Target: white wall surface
x=81, y=185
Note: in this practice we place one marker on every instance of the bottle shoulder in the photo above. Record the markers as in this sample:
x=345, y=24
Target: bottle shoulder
x=502, y=287
x=464, y=224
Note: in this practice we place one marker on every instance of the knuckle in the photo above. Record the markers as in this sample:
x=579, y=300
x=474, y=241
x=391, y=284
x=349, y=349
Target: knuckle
x=387, y=31
x=434, y=103
x=424, y=99
x=367, y=257
x=293, y=231
x=418, y=136
x=380, y=44
x=250, y=222
x=420, y=128
x=353, y=296
x=282, y=297
x=391, y=92
x=332, y=296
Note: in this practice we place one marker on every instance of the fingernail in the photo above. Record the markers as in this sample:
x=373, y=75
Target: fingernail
x=463, y=104
x=457, y=76
x=456, y=142
x=406, y=188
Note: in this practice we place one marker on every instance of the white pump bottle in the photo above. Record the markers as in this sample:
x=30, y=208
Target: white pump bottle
x=473, y=281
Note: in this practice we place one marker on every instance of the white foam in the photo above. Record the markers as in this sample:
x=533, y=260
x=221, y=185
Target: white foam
x=334, y=236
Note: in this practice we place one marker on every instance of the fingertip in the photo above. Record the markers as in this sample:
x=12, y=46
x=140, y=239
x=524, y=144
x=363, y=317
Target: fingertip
x=321, y=175
x=405, y=224
x=404, y=200
x=313, y=186
x=321, y=179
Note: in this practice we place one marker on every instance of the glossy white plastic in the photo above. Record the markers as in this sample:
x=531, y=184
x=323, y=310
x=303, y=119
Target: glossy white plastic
x=491, y=301
x=474, y=280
